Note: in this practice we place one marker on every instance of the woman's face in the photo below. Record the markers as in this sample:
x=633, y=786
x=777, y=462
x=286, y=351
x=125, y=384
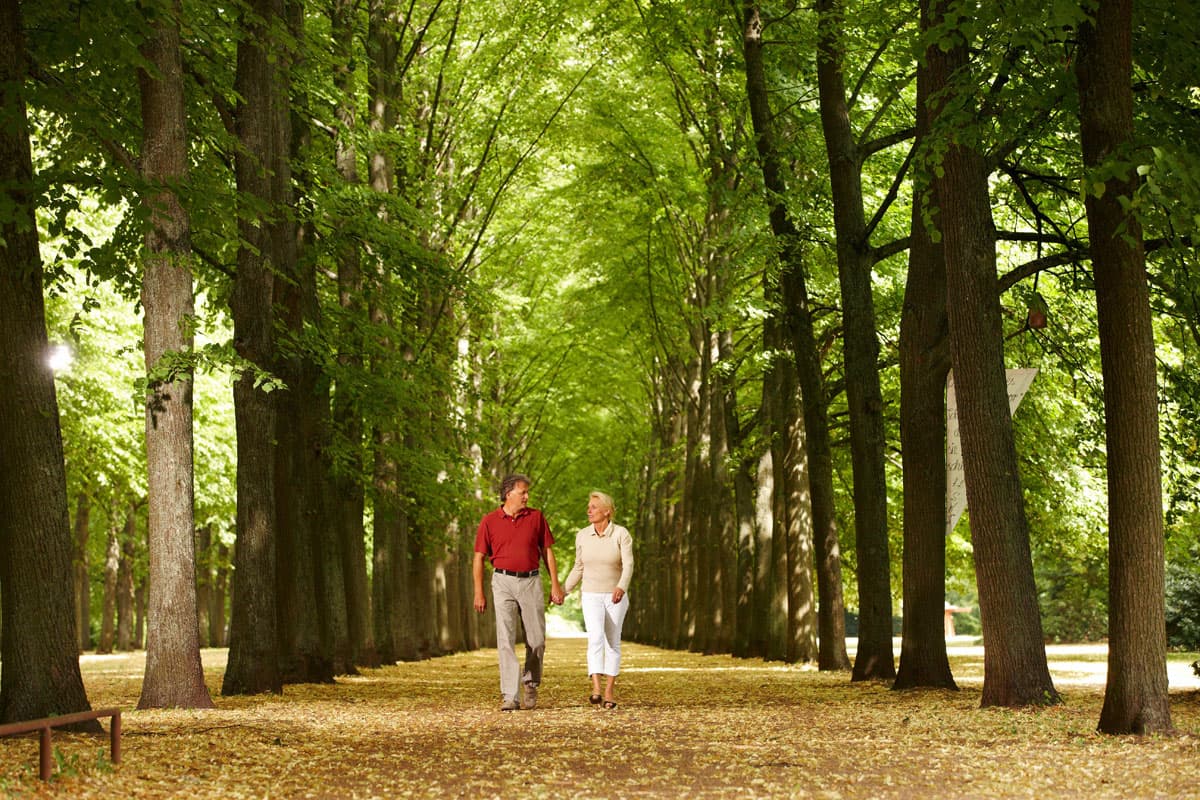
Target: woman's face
x=596, y=512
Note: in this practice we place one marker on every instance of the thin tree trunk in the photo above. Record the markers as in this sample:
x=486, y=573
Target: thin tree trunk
x=125, y=599
x=1135, y=695
x=924, y=364
x=204, y=584
x=41, y=675
x=216, y=614
x=1015, y=668
x=108, y=601
x=81, y=561
x=174, y=677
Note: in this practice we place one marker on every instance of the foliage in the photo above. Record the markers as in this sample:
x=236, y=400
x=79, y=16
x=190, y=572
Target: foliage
x=1183, y=606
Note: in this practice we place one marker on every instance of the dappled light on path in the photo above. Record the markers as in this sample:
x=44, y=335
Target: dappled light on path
x=687, y=726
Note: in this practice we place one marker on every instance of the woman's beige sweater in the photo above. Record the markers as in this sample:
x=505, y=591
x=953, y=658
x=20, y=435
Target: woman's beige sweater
x=603, y=561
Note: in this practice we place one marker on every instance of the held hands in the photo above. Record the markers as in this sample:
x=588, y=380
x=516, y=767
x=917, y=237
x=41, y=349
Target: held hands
x=557, y=595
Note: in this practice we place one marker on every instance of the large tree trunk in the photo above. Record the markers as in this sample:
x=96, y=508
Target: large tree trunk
x=299, y=486
x=873, y=660
x=38, y=645
x=82, y=563
x=924, y=364
x=253, y=637
x=1015, y=668
x=174, y=677
x=794, y=291
x=1135, y=696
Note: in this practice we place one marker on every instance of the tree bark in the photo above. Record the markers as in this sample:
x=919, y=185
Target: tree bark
x=348, y=425
x=174, y=677
x=924, y=364
x=873, y=659
x=794, y=292
x=216, y=613
x=39, y=645
x=1015, y=668
x=1135, y=695
x=253, y=637
x=108, y=601
x=125, y=599
x=82, y=563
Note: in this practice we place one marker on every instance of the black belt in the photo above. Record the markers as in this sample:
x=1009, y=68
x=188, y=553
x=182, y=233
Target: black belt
x=509, y=572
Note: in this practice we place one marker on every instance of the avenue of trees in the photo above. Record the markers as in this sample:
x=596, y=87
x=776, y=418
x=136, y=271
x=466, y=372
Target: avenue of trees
x=327, y=270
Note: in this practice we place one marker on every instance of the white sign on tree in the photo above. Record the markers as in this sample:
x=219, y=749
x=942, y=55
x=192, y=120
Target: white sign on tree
x=1019, y=381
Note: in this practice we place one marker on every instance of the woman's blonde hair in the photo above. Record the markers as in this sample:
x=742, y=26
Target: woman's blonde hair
x=606, y=502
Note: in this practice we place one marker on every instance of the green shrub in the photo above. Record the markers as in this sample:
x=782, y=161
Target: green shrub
x=1183, y=607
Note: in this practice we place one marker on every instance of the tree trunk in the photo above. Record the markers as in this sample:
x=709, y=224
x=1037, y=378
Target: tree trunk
x=204, y=584
x=39, y=646
x=794, y=291
x=1015, y=668
x=125, y=607
x=1135, y=695
x=347, y=511
x=216, y=613
x=253, y=636
x=83, y=580
x=108, y=602
x=873, y=660
x=924, y=364
x=793, y=541
x=174, y=677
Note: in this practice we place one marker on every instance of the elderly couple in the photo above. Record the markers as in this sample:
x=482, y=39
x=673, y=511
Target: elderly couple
x=516, y=538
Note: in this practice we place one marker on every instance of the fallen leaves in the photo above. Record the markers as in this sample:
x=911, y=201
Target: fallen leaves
x=687, y=725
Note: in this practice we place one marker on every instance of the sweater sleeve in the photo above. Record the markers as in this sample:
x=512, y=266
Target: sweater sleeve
x=626, y=543
x=576, y=574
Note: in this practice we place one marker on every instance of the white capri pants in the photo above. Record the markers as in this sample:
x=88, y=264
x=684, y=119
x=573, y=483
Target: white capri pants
x=603, y=620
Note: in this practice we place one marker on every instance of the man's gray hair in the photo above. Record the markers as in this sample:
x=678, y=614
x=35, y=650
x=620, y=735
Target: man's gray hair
x=511, y=482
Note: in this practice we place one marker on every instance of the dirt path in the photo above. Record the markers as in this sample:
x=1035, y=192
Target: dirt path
x=687, y=726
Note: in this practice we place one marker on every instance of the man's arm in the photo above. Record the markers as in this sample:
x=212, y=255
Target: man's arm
x=477, y=574
x=556, y=593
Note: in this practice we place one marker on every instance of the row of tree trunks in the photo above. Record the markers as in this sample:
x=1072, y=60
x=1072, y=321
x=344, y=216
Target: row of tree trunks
x=798, y=315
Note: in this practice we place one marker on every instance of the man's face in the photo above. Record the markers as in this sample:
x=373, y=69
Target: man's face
x=518, y=496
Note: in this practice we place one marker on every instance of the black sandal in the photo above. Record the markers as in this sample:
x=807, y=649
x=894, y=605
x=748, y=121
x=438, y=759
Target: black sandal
x=610, y=704
x=595, y=699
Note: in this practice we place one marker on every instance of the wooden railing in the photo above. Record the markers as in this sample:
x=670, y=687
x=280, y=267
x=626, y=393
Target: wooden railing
x=45, y=751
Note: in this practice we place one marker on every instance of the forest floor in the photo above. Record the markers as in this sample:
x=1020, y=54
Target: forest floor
x=687, y=726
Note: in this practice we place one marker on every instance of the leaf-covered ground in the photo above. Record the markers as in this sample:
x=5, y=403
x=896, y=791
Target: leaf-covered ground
x=687, y=726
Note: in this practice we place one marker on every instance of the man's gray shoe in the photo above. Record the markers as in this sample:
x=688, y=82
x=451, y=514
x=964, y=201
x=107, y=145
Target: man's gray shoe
x=509, y=705
x=530, y=697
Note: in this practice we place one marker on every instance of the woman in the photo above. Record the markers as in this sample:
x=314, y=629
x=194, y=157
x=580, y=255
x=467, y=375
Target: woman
x=604, y=562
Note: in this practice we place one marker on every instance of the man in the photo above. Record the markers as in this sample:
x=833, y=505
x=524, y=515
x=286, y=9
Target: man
x=516, y=538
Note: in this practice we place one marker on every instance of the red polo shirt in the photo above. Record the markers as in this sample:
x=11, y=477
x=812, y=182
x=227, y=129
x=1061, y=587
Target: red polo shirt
x=513, y=543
